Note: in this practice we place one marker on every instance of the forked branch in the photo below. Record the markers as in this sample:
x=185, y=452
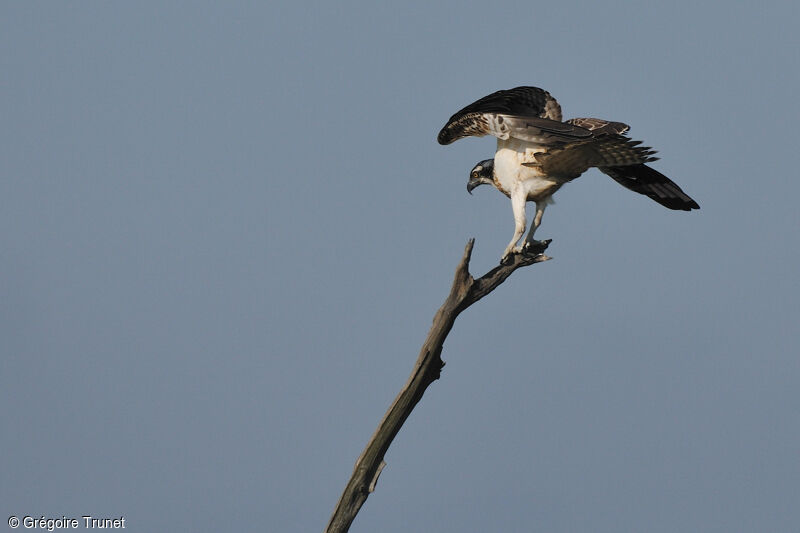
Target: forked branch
x=464, y=292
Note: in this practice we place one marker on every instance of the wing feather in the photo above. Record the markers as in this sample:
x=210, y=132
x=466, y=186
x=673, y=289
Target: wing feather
x=509, y=113
x=653, y=184
x=571, y=160
x=598, y=125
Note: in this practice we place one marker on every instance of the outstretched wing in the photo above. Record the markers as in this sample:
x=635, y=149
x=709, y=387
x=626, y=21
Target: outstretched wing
x=525, y=113
x=653, y=184
x=639, y=177
x=605, y=150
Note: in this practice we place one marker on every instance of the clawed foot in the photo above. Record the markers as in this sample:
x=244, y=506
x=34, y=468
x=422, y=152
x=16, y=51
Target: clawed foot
x=534, y=247
x=529, y=248
x=508, y=254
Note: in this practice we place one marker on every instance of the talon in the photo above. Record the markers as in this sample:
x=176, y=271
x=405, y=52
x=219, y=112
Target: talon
x=536, y=247
x=507, y=255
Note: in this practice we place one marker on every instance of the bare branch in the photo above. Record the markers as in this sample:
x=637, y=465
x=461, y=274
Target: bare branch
x=464, y=292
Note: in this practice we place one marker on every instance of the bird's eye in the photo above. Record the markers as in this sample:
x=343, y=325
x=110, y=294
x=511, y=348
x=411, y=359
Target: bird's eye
x=474, y=174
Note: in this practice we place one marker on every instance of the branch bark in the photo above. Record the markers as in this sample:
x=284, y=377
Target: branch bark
x=464, y=292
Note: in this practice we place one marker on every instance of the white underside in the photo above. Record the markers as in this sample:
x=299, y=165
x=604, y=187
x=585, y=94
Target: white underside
x=514, y=177
x=522, y=184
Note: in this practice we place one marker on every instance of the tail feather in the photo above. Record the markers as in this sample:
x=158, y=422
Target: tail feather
x=651, y=183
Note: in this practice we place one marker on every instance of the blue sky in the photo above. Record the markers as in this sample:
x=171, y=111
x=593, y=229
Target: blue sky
x=226, y=228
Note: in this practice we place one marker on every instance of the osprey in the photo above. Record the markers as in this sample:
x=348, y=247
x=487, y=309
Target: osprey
x=537, y=153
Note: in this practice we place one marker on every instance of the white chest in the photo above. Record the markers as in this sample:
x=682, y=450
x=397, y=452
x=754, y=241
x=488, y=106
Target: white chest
x=511, y=175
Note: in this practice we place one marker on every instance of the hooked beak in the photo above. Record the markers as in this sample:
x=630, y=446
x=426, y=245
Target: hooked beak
x=472, y=183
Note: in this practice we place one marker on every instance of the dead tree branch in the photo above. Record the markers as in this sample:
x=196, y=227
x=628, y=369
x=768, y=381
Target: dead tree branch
x=465, y=291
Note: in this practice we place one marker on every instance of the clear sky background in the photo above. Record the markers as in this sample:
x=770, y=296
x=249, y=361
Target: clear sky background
x=225, y=228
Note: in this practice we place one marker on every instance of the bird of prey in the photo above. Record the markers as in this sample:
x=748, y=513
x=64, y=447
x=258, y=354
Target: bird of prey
x=537, y=153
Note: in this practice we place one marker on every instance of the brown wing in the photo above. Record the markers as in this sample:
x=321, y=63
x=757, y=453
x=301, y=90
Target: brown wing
x=639, y=178
x=526, y=113
x=653, y=184
x=606, y=150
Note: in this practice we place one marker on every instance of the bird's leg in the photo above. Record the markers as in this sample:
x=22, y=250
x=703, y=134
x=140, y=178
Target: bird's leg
x=537, y=220
x=518, y=207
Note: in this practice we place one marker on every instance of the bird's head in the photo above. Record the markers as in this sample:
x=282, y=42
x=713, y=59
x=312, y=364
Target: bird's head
x=480, y=174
